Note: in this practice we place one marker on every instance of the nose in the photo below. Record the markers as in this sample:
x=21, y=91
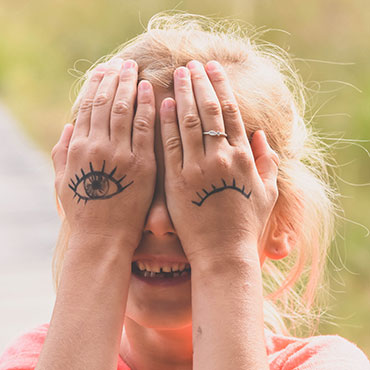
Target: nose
x=158, y=221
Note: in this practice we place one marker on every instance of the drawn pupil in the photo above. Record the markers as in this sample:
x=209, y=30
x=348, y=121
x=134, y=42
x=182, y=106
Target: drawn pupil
x=96, y=186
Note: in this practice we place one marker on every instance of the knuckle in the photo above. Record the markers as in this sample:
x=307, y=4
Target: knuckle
x=100, y=99
x=86, y=105
x=96, y=76
x=222, y=161
x=191, y=121
x=218, y=76
x=54, y=151
x=229, y=107
x=275, y=157
x=184, y=87
x=173, y=143
x=241, y=157
x=196, y=76
x=212, y=108
x=121, y=107
x=274, y=192
x=142, y=124
x=95, y=148
x=112, y=72
x=75, y=146
x=125, y=159
x=126, y=75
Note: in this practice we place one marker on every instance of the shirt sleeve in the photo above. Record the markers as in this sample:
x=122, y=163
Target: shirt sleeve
x=325, y=352
x=24, y=352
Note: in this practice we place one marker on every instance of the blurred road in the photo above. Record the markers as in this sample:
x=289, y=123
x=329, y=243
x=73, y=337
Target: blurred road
x=28, y=230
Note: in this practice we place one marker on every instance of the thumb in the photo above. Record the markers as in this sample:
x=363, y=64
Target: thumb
x=267, y=161
x=60, y=150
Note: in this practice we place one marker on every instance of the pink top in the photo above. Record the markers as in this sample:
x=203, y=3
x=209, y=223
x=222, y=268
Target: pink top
x=324, y=352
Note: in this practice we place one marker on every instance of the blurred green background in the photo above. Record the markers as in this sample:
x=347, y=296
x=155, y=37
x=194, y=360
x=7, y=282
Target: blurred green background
x=41, y=41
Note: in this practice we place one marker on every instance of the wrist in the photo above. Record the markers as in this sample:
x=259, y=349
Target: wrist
x=101, y=245
x=225, y=258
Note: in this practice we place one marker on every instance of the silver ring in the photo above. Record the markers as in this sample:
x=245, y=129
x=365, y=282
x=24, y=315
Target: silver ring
x=214, y=133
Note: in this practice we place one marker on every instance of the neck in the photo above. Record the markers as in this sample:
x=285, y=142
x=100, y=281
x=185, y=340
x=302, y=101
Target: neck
x=149, y=348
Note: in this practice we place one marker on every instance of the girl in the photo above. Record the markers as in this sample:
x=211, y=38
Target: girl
x=187, y=174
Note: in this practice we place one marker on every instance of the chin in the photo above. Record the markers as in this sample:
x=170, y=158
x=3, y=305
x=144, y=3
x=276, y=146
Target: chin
x=155, y=315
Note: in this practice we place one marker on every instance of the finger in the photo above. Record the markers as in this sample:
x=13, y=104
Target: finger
x=123, y=105
x=82, y=125
x=102, y=104
x=60, y=150
x=188, y=117
x=236, y=134
x=171, y=139
x=208, y=106
x=267, y=161
x=143, y=124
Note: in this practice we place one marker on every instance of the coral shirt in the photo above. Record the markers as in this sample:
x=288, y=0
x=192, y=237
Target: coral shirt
x=324, y=352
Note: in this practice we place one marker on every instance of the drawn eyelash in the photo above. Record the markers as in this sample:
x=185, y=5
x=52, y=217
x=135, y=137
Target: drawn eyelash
x=216, y=190
x=96, y=184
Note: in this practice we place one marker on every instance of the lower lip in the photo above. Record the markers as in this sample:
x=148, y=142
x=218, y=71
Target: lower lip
x=163, y=281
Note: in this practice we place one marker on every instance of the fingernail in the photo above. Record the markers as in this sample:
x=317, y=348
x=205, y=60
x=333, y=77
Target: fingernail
x=144, y=85
x=129, y=64
x=193, y=64
x=182, y=72
x=169, y=104
x=213, y=66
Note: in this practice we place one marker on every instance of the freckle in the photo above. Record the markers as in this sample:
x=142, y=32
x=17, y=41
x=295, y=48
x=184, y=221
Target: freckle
x=199, y=331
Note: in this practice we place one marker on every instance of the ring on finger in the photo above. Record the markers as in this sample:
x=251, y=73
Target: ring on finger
x=214, y=133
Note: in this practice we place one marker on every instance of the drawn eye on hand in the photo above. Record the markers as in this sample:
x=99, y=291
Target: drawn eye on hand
x=97, y=184
x=217, y=190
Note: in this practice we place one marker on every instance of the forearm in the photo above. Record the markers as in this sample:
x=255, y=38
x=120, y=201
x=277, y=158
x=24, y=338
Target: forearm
x=86, y=325
x=227, y=306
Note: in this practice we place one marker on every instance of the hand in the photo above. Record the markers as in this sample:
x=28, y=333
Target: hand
x=103, y=178
x=220, y=191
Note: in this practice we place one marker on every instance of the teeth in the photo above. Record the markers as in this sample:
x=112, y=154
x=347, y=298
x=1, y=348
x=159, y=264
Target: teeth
x=154, y=267
x=140, y=265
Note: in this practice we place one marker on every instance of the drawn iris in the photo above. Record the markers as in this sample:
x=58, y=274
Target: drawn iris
x=97, y=184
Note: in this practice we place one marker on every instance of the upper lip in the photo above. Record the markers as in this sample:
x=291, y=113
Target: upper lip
x=160, y=259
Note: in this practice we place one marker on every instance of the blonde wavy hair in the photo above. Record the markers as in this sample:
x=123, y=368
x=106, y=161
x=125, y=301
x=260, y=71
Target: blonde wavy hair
x=271, y=97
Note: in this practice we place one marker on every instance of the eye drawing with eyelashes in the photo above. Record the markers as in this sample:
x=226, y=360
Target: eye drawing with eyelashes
x=97, y=184
x=217, y=190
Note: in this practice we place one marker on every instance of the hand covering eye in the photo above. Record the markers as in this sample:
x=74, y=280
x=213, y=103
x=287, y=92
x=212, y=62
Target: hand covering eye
x=97, y=184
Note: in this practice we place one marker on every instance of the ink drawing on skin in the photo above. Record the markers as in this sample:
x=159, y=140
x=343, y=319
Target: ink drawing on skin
x=217, y=190
x=96, y=184
x=190, y=124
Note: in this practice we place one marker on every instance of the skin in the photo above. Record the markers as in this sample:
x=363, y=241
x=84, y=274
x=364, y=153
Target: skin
x=172, y=161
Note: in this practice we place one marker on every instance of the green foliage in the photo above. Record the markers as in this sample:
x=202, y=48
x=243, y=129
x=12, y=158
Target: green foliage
x=41, y=41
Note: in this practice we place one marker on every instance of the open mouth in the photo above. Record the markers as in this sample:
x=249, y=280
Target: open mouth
x=160, y=275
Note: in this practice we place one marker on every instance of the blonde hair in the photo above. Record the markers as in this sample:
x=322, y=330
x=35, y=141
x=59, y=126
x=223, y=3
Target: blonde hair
x=271, y=97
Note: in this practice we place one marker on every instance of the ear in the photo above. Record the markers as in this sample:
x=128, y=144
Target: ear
x=282, y=233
